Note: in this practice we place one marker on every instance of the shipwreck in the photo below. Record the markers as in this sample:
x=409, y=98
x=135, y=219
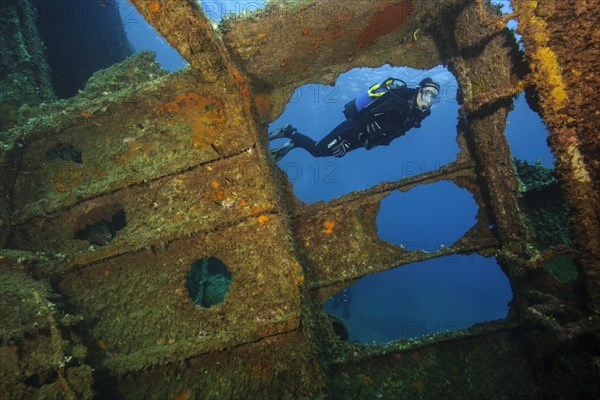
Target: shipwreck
x=121, y=205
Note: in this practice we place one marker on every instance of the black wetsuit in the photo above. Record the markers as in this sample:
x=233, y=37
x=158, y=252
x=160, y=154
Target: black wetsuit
x=387, y=118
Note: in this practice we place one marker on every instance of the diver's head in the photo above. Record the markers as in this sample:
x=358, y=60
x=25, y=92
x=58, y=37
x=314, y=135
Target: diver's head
x=428, y=93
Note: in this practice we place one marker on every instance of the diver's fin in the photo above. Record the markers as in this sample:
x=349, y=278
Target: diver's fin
x=285, y=132
x=281, y=152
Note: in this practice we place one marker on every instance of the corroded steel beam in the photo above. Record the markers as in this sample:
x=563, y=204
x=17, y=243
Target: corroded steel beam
x=195, y=202
x=338, y=240
x=475, y=62
x=561, y=38
x=183, y=24
x=285, y=44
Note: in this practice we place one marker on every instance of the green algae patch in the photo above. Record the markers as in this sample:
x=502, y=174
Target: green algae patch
x=22, y=304
x=544, y=205
x=562, y=267
x=42, y=357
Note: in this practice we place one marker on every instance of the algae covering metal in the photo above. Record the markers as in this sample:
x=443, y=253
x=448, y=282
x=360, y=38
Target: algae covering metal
x=114, y=194
x=563, y=38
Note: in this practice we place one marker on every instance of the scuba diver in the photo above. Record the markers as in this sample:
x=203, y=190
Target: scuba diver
x=387, y=111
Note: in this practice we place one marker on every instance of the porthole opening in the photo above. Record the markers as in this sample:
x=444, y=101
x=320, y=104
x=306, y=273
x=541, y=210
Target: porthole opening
x=103, y=230
x=208, y=281
x=543, y=204
x=66, y=152
x=427, y=217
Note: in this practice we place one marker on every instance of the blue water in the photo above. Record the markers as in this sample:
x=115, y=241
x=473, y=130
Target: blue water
x=527, y=135
x=442, y=294
x=438, y=295
x=428, y=217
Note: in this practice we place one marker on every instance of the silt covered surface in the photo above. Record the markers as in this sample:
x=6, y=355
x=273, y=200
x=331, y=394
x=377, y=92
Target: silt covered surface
x=182, y=159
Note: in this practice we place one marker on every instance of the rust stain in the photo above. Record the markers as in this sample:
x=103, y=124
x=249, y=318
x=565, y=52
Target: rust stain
x=382, y=23
x=365, y=218
x=278, y=327
x=68, y=179
x=263, y=219
x=329, y=225
x=261, y=369
x=243, y=85
x=241, y=81
x=204, y=115
x=183, y=395
x=135, y=150
x=298, y=274
x=262, y=207
x=262, y=102
x=154, y=6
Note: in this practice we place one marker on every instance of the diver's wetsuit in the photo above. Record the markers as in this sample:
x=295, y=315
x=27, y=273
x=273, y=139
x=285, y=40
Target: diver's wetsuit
x=389, y=117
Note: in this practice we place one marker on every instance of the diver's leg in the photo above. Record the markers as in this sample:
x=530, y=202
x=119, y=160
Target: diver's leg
x=342, y=139
x=296, y=140
x=299, y=140
x=305, y=142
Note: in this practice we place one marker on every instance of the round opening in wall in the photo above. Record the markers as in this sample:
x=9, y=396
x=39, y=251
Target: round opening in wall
x=100, y=226
x=208, y=281
x=66, y=152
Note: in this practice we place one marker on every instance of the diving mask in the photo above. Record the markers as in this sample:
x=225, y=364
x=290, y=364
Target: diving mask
x=427, y=96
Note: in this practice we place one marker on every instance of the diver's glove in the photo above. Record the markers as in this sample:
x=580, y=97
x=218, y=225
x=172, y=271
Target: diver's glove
x=341, y=148
x=373, y=128
x=365, y=140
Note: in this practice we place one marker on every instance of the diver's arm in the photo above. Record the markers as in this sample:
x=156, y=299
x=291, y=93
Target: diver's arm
x=381, y=128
